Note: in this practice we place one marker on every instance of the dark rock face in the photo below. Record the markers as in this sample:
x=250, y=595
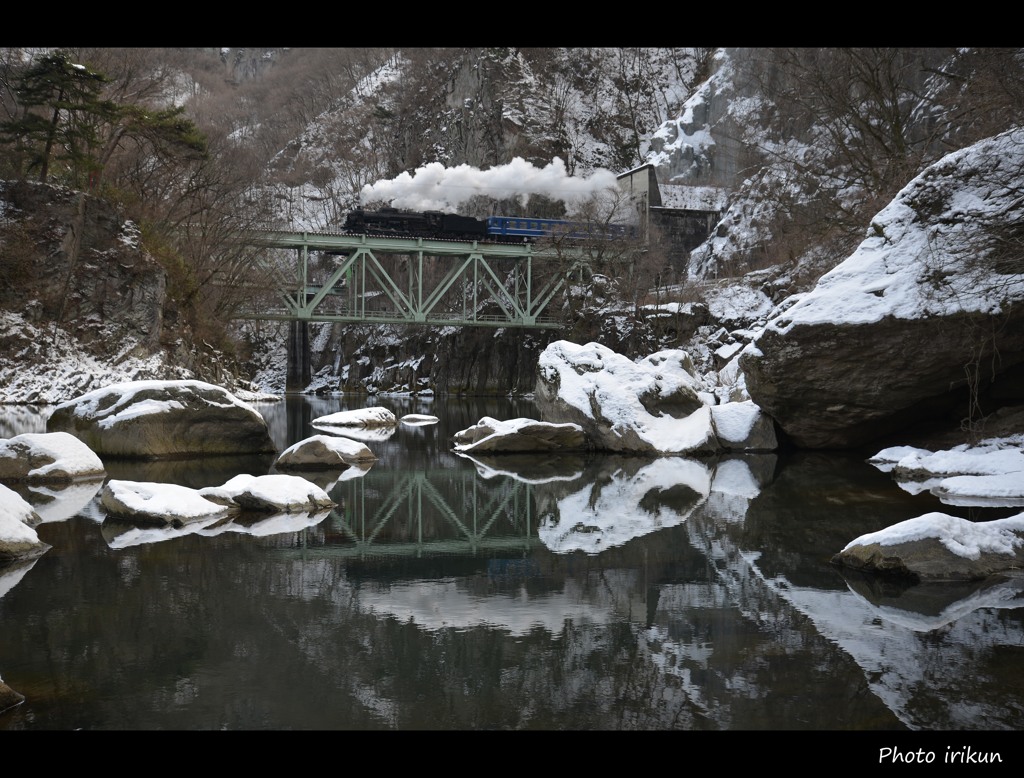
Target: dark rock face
x=475, y=361
x=844, y=385
x=82, y=260
x=163, y=419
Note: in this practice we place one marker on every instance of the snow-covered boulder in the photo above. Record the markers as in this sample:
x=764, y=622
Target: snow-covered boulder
x=519, y=435
x=47, y=457
x=938, y=547
x=18, y=539
x=361, y=417
x=740, y=426
x=656, y=405
x=163, y=419
x=170, y=504
x=931, y=301
x=159, y=504
x=988, y=473
x=270, y=493
x=322, y=452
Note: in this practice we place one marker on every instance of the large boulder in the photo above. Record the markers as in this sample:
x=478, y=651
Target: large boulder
x=270, y=494
x=159, y=504
x=54, y=457
x=924, y=321
x=519, y=435
x=163, y=419
x=939, y=547
x=656, y=405
x=359, y=418
x=325, y=452
x=177, y=506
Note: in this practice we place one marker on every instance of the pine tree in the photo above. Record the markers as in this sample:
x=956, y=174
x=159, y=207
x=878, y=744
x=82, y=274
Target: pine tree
x=64, y=118
x=61, y=104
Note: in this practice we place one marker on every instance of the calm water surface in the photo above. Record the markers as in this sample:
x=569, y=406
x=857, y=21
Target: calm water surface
x=444, y=593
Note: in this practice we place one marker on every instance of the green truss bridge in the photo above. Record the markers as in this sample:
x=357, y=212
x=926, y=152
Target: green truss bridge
x=359, y=279
x=340, y=277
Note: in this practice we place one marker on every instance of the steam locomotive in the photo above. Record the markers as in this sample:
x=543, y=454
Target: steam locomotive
x=448, y=226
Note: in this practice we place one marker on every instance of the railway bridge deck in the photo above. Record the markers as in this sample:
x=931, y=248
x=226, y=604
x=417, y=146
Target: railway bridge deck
x=357, y=278
x=342, y=277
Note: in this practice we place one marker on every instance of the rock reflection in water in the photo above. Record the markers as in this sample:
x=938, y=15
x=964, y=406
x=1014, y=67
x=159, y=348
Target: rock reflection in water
x=57, y=502
x=193, y=472
x=929, y=606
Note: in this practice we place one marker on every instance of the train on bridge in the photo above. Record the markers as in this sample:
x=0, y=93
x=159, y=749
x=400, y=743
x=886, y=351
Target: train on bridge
x=393, y=222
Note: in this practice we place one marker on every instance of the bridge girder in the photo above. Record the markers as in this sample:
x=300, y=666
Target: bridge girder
x=364, y=286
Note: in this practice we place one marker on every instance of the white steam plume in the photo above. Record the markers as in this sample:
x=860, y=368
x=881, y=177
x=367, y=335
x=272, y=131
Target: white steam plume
x=434, y=187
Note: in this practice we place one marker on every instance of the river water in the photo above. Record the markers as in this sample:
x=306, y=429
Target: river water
x=445, y=593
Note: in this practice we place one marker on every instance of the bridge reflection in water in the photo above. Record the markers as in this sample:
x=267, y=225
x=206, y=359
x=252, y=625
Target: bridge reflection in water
x=562, y=504
x=419, y=513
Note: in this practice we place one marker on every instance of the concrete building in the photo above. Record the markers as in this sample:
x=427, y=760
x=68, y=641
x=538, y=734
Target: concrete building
x=682, y=216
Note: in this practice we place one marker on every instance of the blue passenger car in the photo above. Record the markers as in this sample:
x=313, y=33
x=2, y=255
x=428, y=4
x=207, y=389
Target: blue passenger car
x=528, y=227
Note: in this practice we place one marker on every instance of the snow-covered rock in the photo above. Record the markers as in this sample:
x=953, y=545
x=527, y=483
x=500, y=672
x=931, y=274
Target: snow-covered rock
x=519, y=435
x=159, y=504
x=171, y=504
x=928, y=303
x=989, y=472
x=939, y=547
x=360, y=417
x=47, y=457
x=18, y=539
x=270, y=493
x=324, y=452
x=163, y=419
x=656, y=405
x=740, y=426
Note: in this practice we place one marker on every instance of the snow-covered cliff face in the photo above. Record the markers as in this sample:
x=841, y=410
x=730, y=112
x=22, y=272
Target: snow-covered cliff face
x=703, y=144
x=592, y=108
x=810, y=143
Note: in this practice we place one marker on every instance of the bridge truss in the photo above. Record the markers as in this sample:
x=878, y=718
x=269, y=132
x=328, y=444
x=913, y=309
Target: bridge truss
x=426, y=513
x=341, y=277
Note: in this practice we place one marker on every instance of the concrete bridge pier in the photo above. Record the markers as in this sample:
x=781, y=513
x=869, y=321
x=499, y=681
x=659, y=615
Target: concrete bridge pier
x=300, y=372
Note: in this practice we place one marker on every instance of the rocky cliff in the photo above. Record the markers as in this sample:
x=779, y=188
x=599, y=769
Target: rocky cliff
x=82, y=303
